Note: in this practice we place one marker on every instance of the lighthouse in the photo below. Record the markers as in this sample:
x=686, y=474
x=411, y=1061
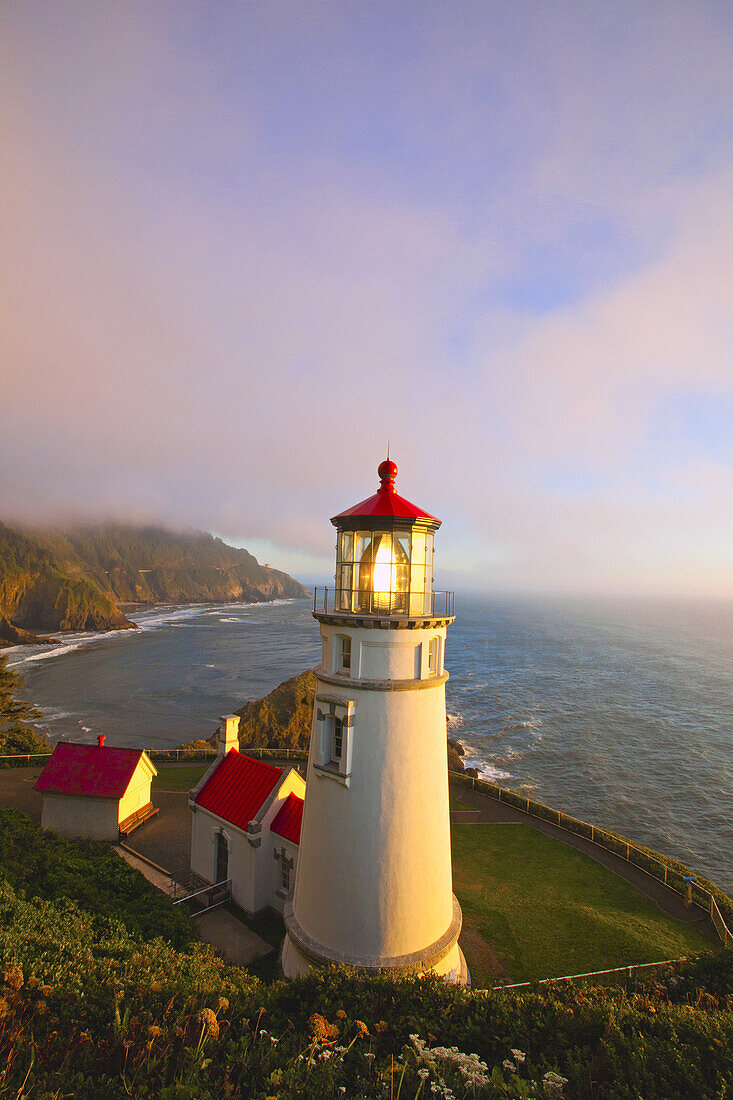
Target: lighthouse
x=373, y=887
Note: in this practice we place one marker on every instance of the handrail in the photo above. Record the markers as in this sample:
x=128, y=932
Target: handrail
x=387, y=604
x=660, y=871
x=205, y=890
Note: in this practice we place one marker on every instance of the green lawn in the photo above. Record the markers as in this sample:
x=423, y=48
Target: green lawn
x=179, y=777
x=535, y=908
x=457, y=803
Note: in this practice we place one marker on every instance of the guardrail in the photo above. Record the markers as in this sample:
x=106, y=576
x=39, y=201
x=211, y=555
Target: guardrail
x=621, y=971
x=678, y=880
x=22, y=759
x=177, y=755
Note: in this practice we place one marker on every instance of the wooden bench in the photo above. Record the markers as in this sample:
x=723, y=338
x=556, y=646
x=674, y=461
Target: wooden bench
x=135, y=820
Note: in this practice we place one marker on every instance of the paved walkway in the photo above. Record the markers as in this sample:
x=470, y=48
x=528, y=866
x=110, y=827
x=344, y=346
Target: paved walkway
x=231, y=937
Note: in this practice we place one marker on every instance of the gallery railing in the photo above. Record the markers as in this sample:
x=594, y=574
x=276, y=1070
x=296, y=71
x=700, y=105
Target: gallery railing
x=360, y=601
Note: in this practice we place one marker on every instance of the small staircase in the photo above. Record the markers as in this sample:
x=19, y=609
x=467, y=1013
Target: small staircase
x=200, y=896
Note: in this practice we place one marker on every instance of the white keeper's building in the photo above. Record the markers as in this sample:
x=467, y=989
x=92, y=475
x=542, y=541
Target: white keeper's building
x=246, y=817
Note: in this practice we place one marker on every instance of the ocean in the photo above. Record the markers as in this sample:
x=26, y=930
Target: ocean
x=620, y=713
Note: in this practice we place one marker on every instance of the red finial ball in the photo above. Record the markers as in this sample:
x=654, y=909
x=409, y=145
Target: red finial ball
x=387, y=470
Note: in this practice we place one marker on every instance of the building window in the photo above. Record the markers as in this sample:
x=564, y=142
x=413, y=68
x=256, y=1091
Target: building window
x=433, y=655
x=334, y=741
x=343, y=653
x=337, y=738
x=221, y=873
x=285, y=873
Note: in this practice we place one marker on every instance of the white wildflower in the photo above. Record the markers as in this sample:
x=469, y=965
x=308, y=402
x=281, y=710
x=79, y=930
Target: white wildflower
x=554, y=1085
x=519, y=1056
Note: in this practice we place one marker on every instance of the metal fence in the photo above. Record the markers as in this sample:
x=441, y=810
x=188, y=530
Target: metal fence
x=22, y=759
x=677, y=880
x=616, y=972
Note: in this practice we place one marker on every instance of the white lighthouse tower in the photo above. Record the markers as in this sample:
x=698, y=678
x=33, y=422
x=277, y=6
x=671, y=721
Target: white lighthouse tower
x=374, y=884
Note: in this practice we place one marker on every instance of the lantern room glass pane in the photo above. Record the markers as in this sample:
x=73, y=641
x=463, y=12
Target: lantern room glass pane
x=345, y=587
x=347, y=546
x=362, y=545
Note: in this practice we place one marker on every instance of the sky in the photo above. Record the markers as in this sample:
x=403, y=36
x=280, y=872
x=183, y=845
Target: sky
x=245, y=245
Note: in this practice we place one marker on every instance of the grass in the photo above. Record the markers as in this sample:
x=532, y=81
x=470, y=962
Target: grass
x=179, y=777
x=535, y=908
x=457, y=803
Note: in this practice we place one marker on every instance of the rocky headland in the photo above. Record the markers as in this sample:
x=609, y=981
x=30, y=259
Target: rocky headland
x=282, y=720
x=80, y=578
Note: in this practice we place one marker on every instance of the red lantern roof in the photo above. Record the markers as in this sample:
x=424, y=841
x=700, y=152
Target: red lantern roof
x=238, y=788
x=386, y=502
x=289, y=818
x=90, y=770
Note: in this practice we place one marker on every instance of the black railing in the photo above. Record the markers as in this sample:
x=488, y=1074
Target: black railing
x=355, y=601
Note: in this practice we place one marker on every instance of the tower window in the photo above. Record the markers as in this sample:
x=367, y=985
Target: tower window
x=433, y=655
x=337, y=739
x=344, y=653
x=285, y=873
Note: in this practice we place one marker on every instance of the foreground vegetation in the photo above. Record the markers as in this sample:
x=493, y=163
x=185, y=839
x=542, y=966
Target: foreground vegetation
x=534, y=907
x=17, y=733
x=91, y=1005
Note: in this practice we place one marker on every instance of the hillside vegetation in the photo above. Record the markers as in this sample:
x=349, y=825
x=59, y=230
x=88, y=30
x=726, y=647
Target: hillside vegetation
x=17, y=732
x=91, y=1005
x=76, y=579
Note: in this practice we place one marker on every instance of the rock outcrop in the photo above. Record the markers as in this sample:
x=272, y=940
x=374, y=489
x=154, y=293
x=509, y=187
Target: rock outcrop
x=282, y=720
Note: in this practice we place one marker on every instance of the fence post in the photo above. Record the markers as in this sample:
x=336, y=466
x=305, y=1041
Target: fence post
x=665, y=874
x=627, y=851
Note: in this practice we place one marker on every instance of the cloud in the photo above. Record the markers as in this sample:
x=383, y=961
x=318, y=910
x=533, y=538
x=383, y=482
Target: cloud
x=246, y=247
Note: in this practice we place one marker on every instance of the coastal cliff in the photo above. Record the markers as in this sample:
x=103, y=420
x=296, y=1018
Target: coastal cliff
x=79, y=578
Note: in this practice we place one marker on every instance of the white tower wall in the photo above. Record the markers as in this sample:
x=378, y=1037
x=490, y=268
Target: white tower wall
x=374, y=882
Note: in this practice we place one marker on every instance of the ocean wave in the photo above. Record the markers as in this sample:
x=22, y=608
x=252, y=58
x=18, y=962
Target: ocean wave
x=455, y=721
x=57, y=651
x=490, y=772
x=526, y=724
x=487, y=767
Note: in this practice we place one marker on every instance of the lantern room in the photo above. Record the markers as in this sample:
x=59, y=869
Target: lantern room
x=384, y=554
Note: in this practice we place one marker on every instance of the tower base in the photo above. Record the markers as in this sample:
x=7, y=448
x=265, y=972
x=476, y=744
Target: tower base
x=301, y=954
x=452, y=967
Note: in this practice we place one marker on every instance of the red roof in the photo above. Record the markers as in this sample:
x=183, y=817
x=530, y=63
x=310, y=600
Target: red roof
x=385, y=501
x=237, y=788
x=289, y=817
x=89, y=770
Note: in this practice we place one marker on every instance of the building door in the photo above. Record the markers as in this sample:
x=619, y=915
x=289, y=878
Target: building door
x=222, y=858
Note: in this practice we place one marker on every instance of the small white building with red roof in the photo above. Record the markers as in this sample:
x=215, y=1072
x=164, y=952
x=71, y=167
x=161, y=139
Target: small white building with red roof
x=95, y=791
x=246, y=816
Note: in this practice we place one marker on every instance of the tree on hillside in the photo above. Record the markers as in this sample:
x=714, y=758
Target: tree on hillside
x=16, y=735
